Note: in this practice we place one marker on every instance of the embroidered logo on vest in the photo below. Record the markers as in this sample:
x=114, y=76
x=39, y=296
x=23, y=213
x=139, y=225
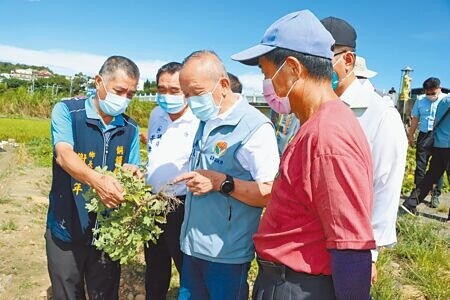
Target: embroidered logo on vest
x=220, y=148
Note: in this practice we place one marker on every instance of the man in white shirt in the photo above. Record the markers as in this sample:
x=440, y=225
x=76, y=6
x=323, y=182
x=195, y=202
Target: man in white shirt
x=171, y=131
x=383, y=128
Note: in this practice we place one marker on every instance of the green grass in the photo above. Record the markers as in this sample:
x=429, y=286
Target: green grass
x=387, y=286
x=24, y=130
x=422, y=260
x=18, y=102
x=140, y=111
x=41, y=151
x=35, y=133
x=9, y=225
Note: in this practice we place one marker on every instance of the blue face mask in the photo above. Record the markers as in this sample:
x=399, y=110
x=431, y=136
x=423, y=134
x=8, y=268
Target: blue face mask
x=113, y=105
x=171, y=104
x=203, y=106
x=335, y=77
x=334, y=80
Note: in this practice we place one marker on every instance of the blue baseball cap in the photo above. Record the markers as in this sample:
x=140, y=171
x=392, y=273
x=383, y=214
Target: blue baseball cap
x=299, y=31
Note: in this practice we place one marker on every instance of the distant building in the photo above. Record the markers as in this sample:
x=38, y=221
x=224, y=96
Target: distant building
x=24, y=74
x=5, y=75
x=30, y=74
x=44, y=74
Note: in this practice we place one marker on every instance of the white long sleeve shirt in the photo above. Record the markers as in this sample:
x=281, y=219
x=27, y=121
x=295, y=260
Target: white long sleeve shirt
x=386, y=135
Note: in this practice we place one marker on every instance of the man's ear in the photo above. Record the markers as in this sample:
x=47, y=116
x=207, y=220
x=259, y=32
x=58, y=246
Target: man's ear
x=98, y=80
x=349, y=59
x=225, y=84
x=297, y=69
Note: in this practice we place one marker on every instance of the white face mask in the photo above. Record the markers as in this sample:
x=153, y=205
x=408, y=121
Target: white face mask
x=112, y=105
x=433, y=98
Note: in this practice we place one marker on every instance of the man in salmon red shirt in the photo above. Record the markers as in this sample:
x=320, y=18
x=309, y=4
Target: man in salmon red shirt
x=315, y=237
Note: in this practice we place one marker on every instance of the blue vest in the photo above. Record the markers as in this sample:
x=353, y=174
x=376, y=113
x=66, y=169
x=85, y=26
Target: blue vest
x=67, y=217
x=218, y=227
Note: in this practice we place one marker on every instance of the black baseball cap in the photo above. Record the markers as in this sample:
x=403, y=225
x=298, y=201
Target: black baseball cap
x=343, y=33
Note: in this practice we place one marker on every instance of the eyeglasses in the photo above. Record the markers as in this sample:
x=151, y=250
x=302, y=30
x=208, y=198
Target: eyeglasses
x=339, y=53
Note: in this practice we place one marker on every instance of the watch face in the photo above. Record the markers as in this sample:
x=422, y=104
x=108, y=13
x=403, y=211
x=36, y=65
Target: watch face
x=227, y=187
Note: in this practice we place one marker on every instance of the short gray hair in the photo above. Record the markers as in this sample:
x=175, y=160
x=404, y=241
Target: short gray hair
x=114, y=63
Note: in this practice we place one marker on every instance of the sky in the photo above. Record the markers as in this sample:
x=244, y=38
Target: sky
x=77, y=36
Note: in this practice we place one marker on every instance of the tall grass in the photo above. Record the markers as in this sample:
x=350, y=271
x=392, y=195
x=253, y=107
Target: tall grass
x=140, y=111
x=18, y=102
x=387, y=286
x=420, y=259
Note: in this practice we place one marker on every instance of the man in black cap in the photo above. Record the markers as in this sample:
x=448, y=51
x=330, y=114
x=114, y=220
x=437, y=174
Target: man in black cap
x=384, y=131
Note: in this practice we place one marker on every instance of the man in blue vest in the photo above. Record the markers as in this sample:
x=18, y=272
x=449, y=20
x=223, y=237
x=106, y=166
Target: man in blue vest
x=233, y=163
x=88, y=133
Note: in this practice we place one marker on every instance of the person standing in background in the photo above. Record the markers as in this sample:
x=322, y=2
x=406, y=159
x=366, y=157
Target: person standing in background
x=422, y=117
x=171, y=131
x=383, y=129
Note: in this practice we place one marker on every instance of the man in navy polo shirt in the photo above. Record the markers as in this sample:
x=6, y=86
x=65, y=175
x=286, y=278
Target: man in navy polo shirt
x=85, y=134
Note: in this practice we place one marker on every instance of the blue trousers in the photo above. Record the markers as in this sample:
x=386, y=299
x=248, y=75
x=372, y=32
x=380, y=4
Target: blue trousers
x=201, y=279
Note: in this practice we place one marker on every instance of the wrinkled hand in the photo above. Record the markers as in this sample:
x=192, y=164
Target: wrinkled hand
x=133, y=169
x=143, y=138
x=109, y=190
x=200, y=182
x=374, y=276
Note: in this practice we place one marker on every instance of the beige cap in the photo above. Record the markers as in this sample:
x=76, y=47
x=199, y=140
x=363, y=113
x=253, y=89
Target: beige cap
x=361, y=68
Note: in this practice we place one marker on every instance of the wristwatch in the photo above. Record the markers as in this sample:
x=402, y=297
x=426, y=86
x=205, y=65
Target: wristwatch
x=227, y=186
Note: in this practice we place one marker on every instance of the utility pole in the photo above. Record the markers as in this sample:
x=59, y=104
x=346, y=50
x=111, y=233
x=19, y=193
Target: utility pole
x=71, y=84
